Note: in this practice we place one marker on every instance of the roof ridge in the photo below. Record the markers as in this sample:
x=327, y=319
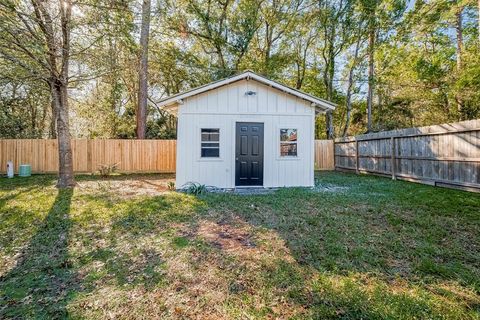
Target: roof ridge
x=323, y=104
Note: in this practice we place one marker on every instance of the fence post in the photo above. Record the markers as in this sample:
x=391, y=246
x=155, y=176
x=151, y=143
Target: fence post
x=392, y=152
x=357, y=166
x=89, y=156
x=333, y=154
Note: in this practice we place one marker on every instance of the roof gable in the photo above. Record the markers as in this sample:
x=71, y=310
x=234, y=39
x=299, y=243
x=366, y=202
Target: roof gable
x=318, y=103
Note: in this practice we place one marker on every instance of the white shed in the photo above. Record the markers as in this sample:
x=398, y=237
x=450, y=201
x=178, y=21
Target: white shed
x=245, y=130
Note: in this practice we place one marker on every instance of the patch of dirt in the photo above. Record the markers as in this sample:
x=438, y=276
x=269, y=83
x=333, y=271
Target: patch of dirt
x=234, y=239
x=128, y=188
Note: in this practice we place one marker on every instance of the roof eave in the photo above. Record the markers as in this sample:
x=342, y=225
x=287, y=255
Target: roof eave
x=178, y=98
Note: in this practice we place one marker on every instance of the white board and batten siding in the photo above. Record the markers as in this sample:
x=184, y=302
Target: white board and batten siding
x=225, y=106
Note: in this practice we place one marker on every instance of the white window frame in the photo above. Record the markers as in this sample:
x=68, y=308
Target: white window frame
x=279, y=142
x=200, y=158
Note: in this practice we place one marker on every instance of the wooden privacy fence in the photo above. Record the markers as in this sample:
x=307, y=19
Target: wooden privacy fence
x=131, y=155
x=445, y=155
x=324, y=155
x=88, y=155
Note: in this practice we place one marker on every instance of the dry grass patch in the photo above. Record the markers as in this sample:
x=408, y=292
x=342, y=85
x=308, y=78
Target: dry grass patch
x=129, y=187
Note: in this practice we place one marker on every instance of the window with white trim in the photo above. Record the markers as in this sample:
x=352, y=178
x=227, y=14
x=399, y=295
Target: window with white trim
x=288, y=142
x=210, y=143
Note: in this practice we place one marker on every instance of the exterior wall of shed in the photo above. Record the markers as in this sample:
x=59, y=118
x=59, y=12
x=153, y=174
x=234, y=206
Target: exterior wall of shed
x=222, y=108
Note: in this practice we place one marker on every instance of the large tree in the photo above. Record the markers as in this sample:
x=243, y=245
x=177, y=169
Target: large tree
x=36, y=37
x=382, y=17
x=143, y=71
x=335, y=24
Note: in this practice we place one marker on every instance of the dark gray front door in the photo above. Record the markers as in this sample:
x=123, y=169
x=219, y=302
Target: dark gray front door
x=249, y=154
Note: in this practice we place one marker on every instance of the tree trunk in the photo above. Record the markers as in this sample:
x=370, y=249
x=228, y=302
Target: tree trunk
x=331, y=129
x=328, y=79
x=268, y=49
x=65, y=159
x=53, y=121
x=350, y=87
x=143, y=71
x=329, y=124
x=371, y=75
x=459, y=53
x=459, y=31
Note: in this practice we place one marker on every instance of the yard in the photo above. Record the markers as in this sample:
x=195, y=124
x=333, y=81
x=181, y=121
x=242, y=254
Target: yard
x=355, y=247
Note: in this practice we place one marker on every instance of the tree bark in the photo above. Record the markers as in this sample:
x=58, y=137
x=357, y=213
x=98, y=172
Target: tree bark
x=459, y=31
x=371, y=76
x=58, y=54
x=53, y=120
x=268, y=48
x=331, y=74
x=65, y=159
x=350, y=87
x=459, y=52
x=60, y=98
x=328, y=75
x=143, y=71
x=329, y=125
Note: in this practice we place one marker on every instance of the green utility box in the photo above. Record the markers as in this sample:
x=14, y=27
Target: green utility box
x=24, y=170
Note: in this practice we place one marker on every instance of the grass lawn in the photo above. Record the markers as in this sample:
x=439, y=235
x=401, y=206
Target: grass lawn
x=356, y=247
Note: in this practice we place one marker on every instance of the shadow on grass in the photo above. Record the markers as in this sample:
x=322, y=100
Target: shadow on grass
x=128, y=253
x=14, y=194
x=383, y=249
x=32, y=182
x=42, y=282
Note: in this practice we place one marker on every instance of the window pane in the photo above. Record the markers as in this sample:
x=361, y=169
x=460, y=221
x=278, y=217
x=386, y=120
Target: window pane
x=210, y=145
x=210, y=134
x=210, y=153
x=288, y=135
x=211, y=130
x=288, y=149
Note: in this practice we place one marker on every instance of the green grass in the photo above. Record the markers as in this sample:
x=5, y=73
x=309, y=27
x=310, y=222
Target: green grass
x=357, y=247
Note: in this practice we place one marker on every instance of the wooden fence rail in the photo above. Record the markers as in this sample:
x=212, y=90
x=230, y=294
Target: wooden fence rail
x=88, y=155
x=445, y=155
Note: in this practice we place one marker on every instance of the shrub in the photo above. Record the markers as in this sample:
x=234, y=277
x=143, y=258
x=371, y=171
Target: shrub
x=171, y=186
x=194, y=188
x=107, y=169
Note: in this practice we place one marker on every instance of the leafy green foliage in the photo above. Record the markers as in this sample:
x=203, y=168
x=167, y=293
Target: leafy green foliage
x=171, y=186
x=308, y=45
x=194, y=188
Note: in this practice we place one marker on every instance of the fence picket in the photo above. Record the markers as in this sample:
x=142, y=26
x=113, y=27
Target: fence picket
x=447, y=154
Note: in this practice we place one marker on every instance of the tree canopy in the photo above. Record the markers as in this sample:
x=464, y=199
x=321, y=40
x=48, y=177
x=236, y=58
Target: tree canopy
x=410, y=63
